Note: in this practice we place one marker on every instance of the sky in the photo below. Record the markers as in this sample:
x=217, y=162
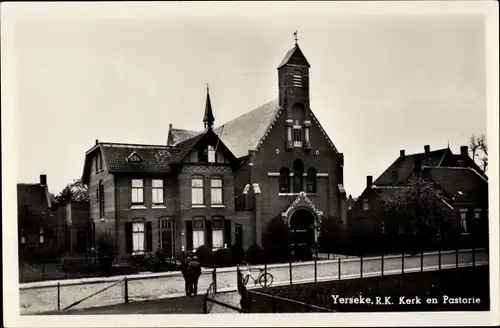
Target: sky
x=378, y=83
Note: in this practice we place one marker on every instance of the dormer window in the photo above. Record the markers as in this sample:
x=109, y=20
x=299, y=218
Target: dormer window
x=297, y=79
x=134, y=158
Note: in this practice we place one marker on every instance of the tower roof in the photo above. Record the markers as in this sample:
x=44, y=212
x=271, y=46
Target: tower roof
x=208, y=118
x=294, y=56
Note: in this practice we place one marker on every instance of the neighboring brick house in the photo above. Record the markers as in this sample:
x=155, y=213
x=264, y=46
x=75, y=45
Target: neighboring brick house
x=36, y=220
x=222, y=186
x=350, y=202
x=462, y=185
x=75, y=223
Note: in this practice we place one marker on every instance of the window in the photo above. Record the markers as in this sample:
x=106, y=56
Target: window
x=382, y=227
x=138, y=237
x=198, y=234
x=401, y=229
x=477, y=213
x=298, y=171
x=137, y=191
x=98, y=163
x=216, y=190
x=297, y=135
x=463, y=222
x=297, y=79
x=366, y=205
x=134, y=158
x=157, y=191
x=284, y=180
x=217, y=234
x=211, y=154
x=197, y=191
x=101, y=199
x=311, y=180
x=22, y=238
x=203, y=155
x=40, y=236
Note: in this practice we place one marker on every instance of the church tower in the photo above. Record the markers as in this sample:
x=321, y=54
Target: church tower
x=208, y=118
x=293, y=82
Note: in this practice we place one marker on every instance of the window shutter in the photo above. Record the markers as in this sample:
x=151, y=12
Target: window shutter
x=227, y=232
x=149, y=236
x=97, y=194
x=189, y=235
x=128, y=237
x=209, y=233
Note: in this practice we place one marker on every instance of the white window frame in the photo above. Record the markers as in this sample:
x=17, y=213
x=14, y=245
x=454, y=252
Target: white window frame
x=138, y=233
x=365, y=204
x=41, y=238
x=216, y=192
x=198, y=234
x=137, y=191
x=217, y=234
x=157, y=191
x=211, y=154
x=197, y=191
x=464, y=229
x=297, y=136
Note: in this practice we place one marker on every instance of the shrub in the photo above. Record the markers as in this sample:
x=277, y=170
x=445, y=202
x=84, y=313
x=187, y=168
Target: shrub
x=303, y=253
x=276, y=241
x=255, y=254
x=204, y=254
x=237, y=254
x=107, y=245
x=77, y=264
x=222, y=258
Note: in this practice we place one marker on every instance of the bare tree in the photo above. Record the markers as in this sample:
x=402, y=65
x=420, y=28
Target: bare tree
x=478, y=147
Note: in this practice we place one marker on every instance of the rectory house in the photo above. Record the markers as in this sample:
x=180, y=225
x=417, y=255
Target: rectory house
x=222, y=186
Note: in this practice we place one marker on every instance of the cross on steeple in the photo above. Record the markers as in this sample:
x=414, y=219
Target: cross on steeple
x=295, y=35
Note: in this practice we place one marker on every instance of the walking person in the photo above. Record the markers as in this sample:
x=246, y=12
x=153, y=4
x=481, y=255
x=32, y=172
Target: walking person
x=186, y=274
x=194, y=273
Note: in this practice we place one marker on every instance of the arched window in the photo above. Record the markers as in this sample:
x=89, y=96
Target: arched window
x=284, y=180
x=298, y=172
x=311, y=180
x=297, y=78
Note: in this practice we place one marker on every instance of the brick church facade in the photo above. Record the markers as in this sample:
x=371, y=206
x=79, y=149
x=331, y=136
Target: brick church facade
x=222, y=186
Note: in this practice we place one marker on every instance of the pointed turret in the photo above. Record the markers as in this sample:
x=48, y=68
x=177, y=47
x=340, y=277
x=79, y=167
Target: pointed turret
x=208, y=119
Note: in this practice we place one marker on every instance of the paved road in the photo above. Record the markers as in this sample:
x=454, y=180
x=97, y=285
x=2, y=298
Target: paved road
x=140, y=289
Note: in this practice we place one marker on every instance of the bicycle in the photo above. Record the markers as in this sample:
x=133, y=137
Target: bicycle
x=264, y=279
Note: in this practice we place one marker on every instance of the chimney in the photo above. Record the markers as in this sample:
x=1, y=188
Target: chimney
x=43, y=180
x=427, y=148
x=464, y=151
x=402, y=153
x=96, y=141
x=170, y=126
x=369, y=181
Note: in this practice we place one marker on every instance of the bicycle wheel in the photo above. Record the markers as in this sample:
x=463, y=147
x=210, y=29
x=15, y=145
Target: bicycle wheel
x=266, y=280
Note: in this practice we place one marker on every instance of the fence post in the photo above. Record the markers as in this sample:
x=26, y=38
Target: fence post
x=473, y=256
x=422, y=261
x=214, y=278
x=290, y=264
x=58, y=296
x=439, y=257
x=265, y=275
x=382, y=266
x=126, y=290
x=456, y=254
x=339, y=268
x=315, y=271
x=43, y=270
x=273, y=300
x=403, y=262
x=361, y=266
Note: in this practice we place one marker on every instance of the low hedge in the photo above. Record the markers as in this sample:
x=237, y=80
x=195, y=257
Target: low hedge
x=204, y=254
x=255, y=254
x=222, y=258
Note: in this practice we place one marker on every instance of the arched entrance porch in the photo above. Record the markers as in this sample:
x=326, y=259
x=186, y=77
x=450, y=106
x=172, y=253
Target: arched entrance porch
x=302, y=228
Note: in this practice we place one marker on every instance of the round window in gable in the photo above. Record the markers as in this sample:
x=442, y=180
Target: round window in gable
x=317, y=151
x=277, y=151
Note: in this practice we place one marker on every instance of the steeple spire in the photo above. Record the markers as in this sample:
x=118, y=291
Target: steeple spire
x=208, y=119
